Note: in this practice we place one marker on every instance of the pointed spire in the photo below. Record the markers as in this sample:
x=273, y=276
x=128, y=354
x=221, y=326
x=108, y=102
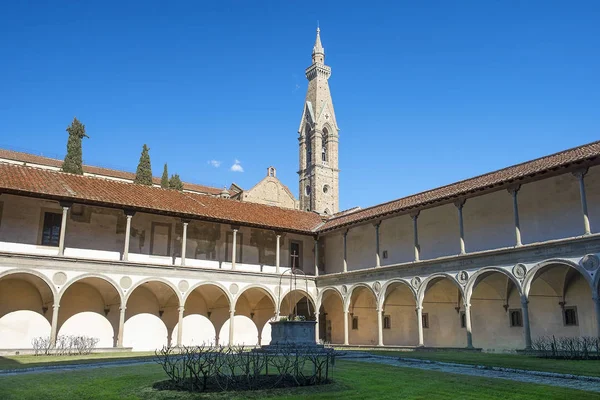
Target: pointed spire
x=318, y=53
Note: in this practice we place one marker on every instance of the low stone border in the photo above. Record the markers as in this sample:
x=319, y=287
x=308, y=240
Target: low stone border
x=48, y=368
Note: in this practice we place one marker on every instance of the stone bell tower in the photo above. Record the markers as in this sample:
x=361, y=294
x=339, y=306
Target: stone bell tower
x=318, y=138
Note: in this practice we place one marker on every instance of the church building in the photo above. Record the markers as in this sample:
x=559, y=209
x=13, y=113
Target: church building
x=491, y=262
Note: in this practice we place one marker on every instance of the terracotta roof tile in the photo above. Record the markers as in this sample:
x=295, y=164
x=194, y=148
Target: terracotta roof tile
x=504, y=176
x=56, y=185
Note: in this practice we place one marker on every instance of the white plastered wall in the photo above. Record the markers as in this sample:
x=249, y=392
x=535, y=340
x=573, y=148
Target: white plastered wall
x=396, y=237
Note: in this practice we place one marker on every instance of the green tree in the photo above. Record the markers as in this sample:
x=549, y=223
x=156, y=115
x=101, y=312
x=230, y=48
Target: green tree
x=143, y=175
x=175, y=182
x=164, y=181
x=73, y=160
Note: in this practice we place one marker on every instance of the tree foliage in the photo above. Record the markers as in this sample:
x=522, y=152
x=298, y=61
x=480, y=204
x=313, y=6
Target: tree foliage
x=73, y=162
x=143, y=175
x=175, y=182
x=164, y=181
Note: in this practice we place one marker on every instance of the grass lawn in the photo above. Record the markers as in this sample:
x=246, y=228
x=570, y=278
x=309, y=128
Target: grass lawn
x=17, y=362
x=354, y=380
x=578, y=367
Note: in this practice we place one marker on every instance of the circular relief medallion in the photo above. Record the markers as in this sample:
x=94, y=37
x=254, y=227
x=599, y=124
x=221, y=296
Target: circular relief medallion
x=344, y=289
x=125, y=282
x=415, y=282
x=234, y=288
x=183, y=286
x=59, y=278
x=377, y=287
x=590, y=262
x=462, y=277
x=519, y=270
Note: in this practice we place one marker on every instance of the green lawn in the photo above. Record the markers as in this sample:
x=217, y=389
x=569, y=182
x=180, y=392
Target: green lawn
x=588, y=367
x=17, y=362
x=354, y=380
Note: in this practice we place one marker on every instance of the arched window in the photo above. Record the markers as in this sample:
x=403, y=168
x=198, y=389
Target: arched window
x=324, y=141
x=308, y=145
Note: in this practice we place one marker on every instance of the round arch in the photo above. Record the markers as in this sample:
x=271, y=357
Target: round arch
x=388, y=284
x=303, y=292
x=153, y=279
x=351, y=292
x=43, y=277
x=260, y=287
x=328, y=289
x=425, y=285
x=212, y=283
x=534, y=271
x=481, y=274
x=85, y=276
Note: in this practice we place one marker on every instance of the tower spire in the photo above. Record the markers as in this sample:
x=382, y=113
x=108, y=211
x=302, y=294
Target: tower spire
x=318, y=53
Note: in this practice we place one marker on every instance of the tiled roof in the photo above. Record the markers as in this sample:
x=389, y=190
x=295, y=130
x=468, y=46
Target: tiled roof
x=90, y=169
x=505, y=176
x=56, y=185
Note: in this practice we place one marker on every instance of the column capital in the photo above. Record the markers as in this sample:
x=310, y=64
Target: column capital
x=513, y=189
x=55, y=306
x=596, y=298
x=467, y=305
x=376, y=224
x=129, y=213
x=181, y=309
x=415, y=214
x=235, y=228
x=122, y=308
x=65, y=204
x=232, y=311
x=345, y=233
x=524, y=301
x=580, y=173
x=185, y=221
x=460, y=203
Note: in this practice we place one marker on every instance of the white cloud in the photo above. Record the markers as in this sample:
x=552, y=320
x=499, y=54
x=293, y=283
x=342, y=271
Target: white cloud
x=215, y=163
x=237, y=167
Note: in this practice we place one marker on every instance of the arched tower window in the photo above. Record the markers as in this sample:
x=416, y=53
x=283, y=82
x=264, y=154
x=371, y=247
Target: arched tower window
x=324, y=141
x=308, y=145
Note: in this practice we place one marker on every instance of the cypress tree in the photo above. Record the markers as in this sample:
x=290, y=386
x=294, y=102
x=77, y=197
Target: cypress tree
x=164, y=181
x=175, y=182
x=73, y=160
x=143, y=175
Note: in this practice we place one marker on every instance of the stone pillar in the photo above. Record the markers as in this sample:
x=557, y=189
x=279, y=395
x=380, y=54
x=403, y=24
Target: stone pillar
x=63, y=228
x=54, y=326
x=596, y=300
x=377, y=256
x=180, y=325
x=231, y=315
x=316, y=256
x=415, y=217
x=345, y=250
x=184, y=242
x=277, y=254
x=514, y=192
x=121, y=325
x=584, y=210
x=468, y=325
x=526, y=326
x=379, y=327
x=346, y=342
x=420, y=324
x=129, y=215
x=233, y=248
x=317, y=327
x=459, y=205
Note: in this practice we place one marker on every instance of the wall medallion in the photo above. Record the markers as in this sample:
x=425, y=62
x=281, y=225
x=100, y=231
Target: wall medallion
x=462, y=277
x=59, y=278
x=183, y=286
x=519, y=271
x=234, y=288
x=377, y=287
x=415, y=282
x=125, y=282
x=590, y=262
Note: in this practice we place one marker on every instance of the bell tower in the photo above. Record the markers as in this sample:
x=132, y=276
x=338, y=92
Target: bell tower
x=318, y=139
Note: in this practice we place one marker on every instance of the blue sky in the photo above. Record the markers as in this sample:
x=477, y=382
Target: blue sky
x=426, y=93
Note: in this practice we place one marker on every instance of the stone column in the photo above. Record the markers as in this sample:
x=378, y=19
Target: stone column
x=526, y=326
x=596, y=300
x=317, y=327
x=379, y=327
x=233, y=249
x=121, y=325
x=184, y=242
x=415, y=217
x=277, y=254
x=468, y=325
x=316, y=256
x=584, y=210
x=514, y=191
x=346, y=250
x=129, y=215
x=180, y=325
x=346, y=342
x=54, y=326
x=377, y=256
x=63, y=228
x=420, y=324
x=231, y=315
x=459, y=205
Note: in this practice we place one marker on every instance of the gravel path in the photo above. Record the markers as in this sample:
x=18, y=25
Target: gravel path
x=587, y=383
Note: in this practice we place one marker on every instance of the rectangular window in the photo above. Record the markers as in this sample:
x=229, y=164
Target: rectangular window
x=463, y=319
x=387, y=322
x=516, y=317
x=425, y=320
x=570, y=316
x=385, y=254
x=355, y=323
x=295, y=254
x=239, y=238
x=51, y=229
